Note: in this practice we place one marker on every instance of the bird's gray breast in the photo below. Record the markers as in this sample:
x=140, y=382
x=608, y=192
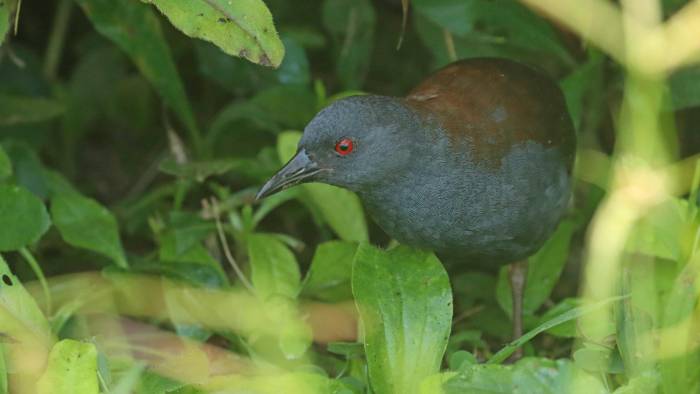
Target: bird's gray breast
x=458, y=209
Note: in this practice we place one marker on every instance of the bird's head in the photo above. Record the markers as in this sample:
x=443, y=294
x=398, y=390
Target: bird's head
x=353, y=143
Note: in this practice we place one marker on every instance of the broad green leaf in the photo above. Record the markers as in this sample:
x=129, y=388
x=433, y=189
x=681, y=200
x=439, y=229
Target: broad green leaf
x=501, y=26
x=136, y=30
x=597, y=359
x=340, y=208
x=5, y=165
x=20, y=109
x=351, y=23
x=331, y=271
x=527, y=376
x=26, y=332
x=275, y=271
x=242, y=28
x=84, y=223
x=23, y=217
x=405, y=303
x=72, y=368
x=544, y=269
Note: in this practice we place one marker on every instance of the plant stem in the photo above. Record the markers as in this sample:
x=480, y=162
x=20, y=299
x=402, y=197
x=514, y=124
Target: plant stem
x=40, y=275
x=57, y=39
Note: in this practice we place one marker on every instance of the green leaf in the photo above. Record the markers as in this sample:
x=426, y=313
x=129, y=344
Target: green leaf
x=351, y=23
x=405, y=303
x=241, y=28
x=72, y=369
x=3, y=372
x=331, y=271
x=275, y=271
x=527, y=376
x=136, y=30
x=660, y=232
x=26, y=332
x=544, y=269
x=23, y=216
x=502, y=28
x=565, y=330
x=27, y=168
x=19, y=109
x=572, y=314
x=84, y=223
x=7, y=14
x=5, y=165
x=583, y=86
x=340, y=208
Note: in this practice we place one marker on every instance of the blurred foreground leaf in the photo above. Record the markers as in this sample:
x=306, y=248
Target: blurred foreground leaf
x=18, y=109
x=242, y=28
x=23, y=216
x=72, y=368
x=341, y=208
x=84, y=223
x=136, y=30
x=26, y=332
x=405, y=302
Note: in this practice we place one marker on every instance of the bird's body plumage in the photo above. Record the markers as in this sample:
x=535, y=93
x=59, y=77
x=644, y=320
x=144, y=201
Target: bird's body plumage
x=497, y=176
x=474, y=163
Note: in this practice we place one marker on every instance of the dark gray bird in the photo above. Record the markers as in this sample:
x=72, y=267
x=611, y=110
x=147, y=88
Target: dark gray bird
x=475, y=163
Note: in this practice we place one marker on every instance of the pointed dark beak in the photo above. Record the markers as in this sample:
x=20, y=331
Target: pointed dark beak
x=298, y=170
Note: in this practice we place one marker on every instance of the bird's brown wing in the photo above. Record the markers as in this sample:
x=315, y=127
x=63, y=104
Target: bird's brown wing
x=491, y=105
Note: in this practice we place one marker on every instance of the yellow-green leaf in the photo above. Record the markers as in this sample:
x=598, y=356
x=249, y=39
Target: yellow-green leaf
x=72, y=368
x=241, y=28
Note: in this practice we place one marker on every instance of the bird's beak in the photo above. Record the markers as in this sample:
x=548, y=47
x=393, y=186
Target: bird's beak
x=298, y=170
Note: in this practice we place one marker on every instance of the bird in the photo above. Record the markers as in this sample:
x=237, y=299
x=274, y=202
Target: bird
x=474, y=163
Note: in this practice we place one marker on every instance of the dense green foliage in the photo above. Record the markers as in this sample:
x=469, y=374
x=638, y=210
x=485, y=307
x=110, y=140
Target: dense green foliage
x=134, y=257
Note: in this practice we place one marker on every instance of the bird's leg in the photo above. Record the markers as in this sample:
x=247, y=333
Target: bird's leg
x=518, y=275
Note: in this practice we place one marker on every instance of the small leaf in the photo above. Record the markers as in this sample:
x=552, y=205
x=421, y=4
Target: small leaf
x=405, y=303
x=242, y=28
x=340, y=208
x=19, y=109
x=275, y=271
x=136, y=30
x=330, y=272
x=72, y=369
x=84, y=223
x=5, y=165
x=23, y=216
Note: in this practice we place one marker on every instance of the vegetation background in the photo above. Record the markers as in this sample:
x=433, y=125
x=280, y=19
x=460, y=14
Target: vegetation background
x=134, y=134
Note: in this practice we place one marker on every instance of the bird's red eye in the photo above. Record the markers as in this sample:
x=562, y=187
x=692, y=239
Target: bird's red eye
x=344, y=146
